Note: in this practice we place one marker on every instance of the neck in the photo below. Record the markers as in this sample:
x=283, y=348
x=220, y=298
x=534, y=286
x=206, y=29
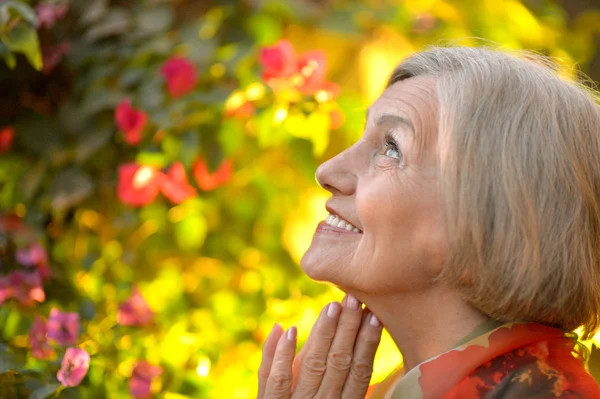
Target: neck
x=424, y=324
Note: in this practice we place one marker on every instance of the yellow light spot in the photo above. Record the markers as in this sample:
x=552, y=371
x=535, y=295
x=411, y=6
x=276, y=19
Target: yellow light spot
x=280, y=115
x=20, y=210
x=143, y=177
x=217, y=70
x=250, y=257
x=89, y=219
x=322, y=96
x=203, y=367
x=207, y=31
x=255, y=91
x=124, y=343
x=235, y=100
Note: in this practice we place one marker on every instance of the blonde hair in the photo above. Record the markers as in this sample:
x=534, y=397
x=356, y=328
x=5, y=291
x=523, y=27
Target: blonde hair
x=520, y=183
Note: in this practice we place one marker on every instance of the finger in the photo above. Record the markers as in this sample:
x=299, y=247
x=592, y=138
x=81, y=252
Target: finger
x=314, y=359
x=339, y=358
x=279, y=382
x=267, y=358
x=365, y=347
x=298, y=364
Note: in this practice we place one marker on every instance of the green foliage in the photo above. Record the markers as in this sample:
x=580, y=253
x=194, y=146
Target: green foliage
x=218, y=267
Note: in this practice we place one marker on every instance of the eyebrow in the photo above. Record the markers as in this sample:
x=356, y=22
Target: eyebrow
x=391, y=119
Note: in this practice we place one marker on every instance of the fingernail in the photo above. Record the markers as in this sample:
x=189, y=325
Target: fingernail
x=352, y=302
x=291, y=334
x=333, y=310
x=374, y=321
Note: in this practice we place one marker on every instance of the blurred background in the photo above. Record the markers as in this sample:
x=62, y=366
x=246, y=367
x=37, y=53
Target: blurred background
x=157, y=167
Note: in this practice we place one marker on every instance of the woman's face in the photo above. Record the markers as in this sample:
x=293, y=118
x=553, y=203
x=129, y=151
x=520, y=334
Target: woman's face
x=383, y=189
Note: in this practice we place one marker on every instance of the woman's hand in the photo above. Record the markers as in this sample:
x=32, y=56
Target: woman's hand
x=335, y=362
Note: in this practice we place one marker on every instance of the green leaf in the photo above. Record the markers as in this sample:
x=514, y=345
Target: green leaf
x=156, y=159
x=154, y=20
x=23, y=39
x=8, y=360
x=21, y=9
x=44, y=392
x=9, y=58
x=190, y=233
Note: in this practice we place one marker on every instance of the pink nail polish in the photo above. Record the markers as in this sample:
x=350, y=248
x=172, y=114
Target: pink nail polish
x=374, y=321
x=333, y=310
x=292, y=333
x=352, y=302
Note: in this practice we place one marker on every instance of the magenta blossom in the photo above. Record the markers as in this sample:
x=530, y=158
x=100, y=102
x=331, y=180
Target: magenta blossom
x=75, y=365
x=141, y=379
x=63, y=327
x=48, y=14
x=26, y=287
x=38, y=339
x=180, y=75
x=34, y=256
x=135, y=310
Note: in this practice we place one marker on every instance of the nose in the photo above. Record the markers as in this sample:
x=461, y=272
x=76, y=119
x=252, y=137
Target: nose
x=337, y=175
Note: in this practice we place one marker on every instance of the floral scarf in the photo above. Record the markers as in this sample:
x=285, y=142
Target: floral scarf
x=514, y=360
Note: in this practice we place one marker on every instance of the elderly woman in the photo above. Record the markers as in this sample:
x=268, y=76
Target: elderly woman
x=467, y=221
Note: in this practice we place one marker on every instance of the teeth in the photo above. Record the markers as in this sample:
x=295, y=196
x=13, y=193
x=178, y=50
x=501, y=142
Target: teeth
x=334, y=220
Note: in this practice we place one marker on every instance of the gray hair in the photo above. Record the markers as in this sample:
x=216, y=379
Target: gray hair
x=520, y=183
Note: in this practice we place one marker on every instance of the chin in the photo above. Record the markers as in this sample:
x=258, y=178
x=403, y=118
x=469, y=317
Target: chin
x=316, y=267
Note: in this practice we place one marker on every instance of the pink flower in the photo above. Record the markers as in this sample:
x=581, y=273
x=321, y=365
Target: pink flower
x=34, y=255
x=279, y=61
x=130, y=121
x=141, y=379
x=7, y=135
x=138, y=185
x=175, y=185
x=75, y=366
x=180, y=75
x=38, y=339
x=209, y=181
x=48, y=14
x=312, y=67
x=135, y=311
x=26, y=287
x=63, y=327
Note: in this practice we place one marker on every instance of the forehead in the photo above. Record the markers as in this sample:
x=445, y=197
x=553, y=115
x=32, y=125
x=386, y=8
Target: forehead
x=413, y=98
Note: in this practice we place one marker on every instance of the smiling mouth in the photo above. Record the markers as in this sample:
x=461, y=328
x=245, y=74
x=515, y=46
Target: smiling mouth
x=336, y=221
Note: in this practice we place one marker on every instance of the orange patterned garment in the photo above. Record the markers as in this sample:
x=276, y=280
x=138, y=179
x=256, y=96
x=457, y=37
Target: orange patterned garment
x=513, y=361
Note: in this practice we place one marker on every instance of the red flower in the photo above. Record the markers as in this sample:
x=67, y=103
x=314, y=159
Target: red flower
x=278, y=61
x=209, y=181
x=131, y=121
x=180, y=75
x=141, y=379
x=312, y=67
x=38, y=339
x=63, y=327
x=138, y=185
x=175, y=185
x=6, y=138
x=135, y=311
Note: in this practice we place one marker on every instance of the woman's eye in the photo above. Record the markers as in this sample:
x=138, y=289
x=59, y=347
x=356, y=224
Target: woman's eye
x=391, y=148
